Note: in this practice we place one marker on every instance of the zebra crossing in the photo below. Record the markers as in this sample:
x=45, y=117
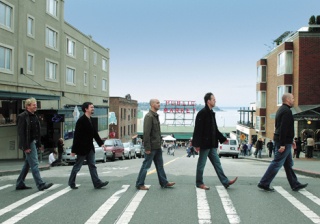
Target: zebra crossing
x=136, y=199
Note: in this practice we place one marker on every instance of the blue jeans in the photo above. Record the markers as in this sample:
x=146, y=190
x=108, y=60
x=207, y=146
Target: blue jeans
x=156, y=156
x=280, y=159
x=33, y=163
x=92, y=168
x=215, y=160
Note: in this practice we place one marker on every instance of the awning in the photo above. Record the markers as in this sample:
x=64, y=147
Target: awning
x=14, y=95
x=306, y=112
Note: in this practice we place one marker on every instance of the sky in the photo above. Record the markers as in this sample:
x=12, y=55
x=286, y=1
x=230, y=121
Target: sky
x=182, y=49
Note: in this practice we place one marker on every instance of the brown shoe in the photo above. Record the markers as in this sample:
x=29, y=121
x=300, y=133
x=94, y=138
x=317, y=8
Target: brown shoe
x=143, y=188
x=231, y=182
x=204, y=187
x=169, y=184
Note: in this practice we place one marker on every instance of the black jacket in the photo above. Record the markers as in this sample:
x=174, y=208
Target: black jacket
x=206, y=134
x=83, y=137
x=24, y=131
x=284, y=125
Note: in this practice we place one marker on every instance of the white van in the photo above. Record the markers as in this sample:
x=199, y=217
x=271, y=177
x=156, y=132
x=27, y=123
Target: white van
x=229, y=148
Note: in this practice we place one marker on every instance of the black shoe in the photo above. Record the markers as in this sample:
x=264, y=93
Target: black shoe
x=102, y=185
x=74, y=187
x=24, y=187
x=299, y=187
x=45, y=186
x=265, y=188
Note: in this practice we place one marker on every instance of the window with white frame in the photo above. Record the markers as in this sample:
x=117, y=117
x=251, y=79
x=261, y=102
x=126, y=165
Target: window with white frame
x=104, y=64
x=6, y=16
x=94, y=81
x=85, y=54
x=104, y=85
x=261, y=124
x=52, y=7
x=71, y=47
x=94, y=58
x=51, y=70
x=6, y=59
x=30, y=63
x=51, y=38
x=30, y=26
x=285, y=63
x=262, y=73
x=85, y=78
x=70, y=76
x=261, y=99
x=282, y=90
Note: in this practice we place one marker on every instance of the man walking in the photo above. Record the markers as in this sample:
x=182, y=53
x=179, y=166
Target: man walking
x=205, y=138
x=29, y=142
x=84, y=149
x=152, y=145
x=283, y=139
x=270, y=147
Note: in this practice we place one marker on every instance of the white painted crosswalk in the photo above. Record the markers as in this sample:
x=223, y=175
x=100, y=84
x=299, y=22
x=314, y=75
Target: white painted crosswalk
x=307, y=203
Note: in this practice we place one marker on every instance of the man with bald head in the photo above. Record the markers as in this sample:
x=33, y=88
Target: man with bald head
x=152, y=146
x=283, y=139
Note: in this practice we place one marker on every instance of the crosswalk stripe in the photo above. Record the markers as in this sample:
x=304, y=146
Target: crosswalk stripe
x=227, y=205
x=25, y=200
x=36, y=206
x=309, y=195
x=300, y=206
x=104, y=209
x=6, y=186
x=204, y=215
x=131, y=208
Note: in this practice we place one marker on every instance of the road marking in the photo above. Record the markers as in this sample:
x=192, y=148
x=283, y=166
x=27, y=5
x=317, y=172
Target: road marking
x=6, y=186
x=155, y=170
x=25, y=200
x=37, y=206
x=309, y=195
x=105, y=207
x=227, y=205
x=132, y=207
x=204, y=215
x=300, y=206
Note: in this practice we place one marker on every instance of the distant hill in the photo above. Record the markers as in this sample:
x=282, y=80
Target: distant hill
x=146, y=106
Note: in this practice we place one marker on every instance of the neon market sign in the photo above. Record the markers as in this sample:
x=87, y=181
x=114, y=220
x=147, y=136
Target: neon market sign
x=179, y=107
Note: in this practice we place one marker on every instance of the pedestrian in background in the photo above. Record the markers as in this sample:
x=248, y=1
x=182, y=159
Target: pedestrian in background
x=259, y=145
x=205, y=140
x=83, y=147
x=283, y=137
x=298, y=146
x=152, y=146
x=29, y=142
x=244, y=148
x=270, y=147
x=60, y=145
x=310, y=145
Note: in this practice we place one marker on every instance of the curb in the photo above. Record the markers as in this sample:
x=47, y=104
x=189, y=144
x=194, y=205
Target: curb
x=13, y=172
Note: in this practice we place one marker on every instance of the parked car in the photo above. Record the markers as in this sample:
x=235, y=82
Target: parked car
x=67, y=157
x=129, y=150
x=229, y=148
x=114, y=149
x=139, y=150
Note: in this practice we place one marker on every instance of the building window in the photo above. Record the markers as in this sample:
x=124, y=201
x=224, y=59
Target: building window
x=51, y=70
x=285, y=65
x=70, y=76
x=71, y=47
x=94, y=81
x=262, y=73
x=8, y=115
x=85, y=79
x=85, y=54
x=30, y=63
x=6, y=16
x=261, y=99
x=260, y=124
x=104, y=64
x=51, y=38
x=5, y=59
x=94, y=58
x=282, y=90
x=52, y=7
x=104, y=85
x=30, y=26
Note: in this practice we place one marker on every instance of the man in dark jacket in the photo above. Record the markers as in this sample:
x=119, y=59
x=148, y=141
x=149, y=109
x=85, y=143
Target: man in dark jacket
x=270, y=147
x=83, y=147
x=29, y=142
x=283, y=139
x=205, y=138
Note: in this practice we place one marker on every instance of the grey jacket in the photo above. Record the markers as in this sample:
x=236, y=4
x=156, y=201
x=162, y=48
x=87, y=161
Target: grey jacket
x=151, y=131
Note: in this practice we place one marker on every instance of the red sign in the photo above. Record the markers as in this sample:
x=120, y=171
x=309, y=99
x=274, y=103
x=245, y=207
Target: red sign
x=179, y=110
x=180, y=102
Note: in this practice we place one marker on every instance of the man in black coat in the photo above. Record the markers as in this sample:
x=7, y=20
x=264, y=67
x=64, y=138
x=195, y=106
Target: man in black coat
x=205, y=139
x=84, y=149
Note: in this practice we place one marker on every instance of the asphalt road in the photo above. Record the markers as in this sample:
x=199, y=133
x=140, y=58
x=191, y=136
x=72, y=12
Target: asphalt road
x=120, y=202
